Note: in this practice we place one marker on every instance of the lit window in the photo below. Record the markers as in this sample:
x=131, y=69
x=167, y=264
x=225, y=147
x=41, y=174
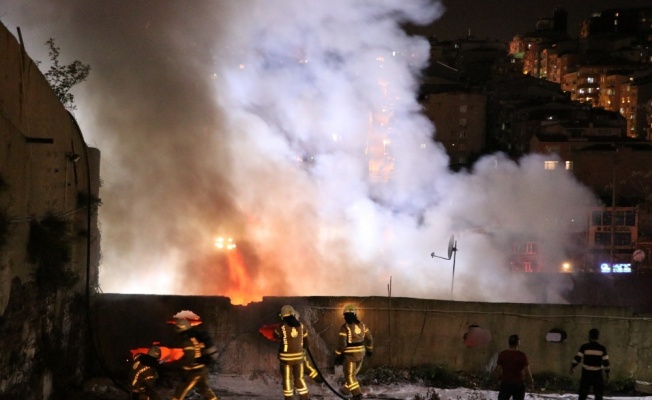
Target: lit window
x=569, y=165
x=590, y=79
x=550, y=165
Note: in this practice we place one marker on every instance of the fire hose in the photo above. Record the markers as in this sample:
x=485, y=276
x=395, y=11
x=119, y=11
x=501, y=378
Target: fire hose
x=319, y=373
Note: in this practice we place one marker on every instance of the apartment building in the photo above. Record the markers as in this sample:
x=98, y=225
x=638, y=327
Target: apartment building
x=460, y=122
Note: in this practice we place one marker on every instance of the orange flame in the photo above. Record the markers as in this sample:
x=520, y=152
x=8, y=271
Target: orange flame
x=240, y=289
x=168, y=354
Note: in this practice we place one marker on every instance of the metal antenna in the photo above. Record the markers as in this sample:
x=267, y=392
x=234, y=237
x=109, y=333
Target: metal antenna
x=452, y=252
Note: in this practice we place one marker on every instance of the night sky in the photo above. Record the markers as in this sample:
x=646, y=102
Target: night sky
x=252, y=118
x=502, y=19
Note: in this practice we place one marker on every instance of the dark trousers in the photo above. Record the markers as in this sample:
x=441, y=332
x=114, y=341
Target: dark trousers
x=591, y=379
x=196, y=378
x=515, y=390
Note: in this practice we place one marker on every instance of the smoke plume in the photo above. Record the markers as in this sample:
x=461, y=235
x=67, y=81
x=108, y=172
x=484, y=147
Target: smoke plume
x=292, y=127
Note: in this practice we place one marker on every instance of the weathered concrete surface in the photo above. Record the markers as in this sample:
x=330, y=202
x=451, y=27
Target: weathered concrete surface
x=46, y=172
x=408, y=332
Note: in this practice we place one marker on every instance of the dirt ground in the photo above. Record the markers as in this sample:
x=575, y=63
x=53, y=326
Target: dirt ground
x=261, y=387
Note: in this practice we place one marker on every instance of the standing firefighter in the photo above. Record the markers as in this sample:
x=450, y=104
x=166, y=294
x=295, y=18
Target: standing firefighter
x=293, y=338
x=594, y=359
x=143, y=374
x=354, y=342
x=198, y=355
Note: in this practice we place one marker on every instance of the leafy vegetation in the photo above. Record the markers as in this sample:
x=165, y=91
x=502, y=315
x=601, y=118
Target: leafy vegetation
x=440, y=376
x=435, y=375
x=63, y=77
x=553, y=382
x=50, y=247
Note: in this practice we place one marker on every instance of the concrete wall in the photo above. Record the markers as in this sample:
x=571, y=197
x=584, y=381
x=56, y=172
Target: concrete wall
x=408, y=332
x=42, y=324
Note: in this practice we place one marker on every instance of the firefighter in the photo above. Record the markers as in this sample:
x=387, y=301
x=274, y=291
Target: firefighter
x=198, y=355
x=143, y=374
x=293, y=338
x=354, y=342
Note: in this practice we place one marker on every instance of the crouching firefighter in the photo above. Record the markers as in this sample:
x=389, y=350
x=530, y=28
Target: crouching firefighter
x=293, y=339
x=354, y=342
x=143, y=374
x=199, y=353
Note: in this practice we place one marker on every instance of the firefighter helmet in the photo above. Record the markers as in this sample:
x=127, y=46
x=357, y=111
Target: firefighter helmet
x=286, y=311
x=182, y=324
x=155, y=352
x=350, y=309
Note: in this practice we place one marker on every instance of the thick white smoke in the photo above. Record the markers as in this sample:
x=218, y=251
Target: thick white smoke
x=259, y=120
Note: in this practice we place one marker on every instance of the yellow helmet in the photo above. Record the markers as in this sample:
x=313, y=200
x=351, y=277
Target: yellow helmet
x=286, y=311
x=351, y=309
x=182, y=325
x=155, y=352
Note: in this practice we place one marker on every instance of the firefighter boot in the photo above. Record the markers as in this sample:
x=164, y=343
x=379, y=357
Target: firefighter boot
x=357, y=397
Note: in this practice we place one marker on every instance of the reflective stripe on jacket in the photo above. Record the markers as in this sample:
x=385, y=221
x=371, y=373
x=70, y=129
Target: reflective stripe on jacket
x=294, y=340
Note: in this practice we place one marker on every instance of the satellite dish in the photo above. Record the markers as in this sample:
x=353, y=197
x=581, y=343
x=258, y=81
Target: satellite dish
x=638, y=255
x=451, y=246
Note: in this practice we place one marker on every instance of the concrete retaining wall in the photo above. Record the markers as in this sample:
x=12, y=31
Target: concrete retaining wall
x=408, y=332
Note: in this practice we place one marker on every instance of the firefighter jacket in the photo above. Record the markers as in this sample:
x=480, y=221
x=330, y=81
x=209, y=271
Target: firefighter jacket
x=198, y=350
x=293, y=342
x=354, y=341
x=143, y=374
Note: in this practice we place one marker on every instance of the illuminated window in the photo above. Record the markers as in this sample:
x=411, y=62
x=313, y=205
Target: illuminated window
x=569, y=165
x=549, y=165
x=590, y=79
x=530, y=248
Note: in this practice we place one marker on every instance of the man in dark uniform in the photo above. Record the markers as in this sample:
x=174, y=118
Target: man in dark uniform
x=594, y=359
x=512, y=368
x=354, y=342
x=143, y=374
x=198, y=353
x=293, y=338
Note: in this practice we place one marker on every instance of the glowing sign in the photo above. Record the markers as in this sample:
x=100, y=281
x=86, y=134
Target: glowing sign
x=622, y=268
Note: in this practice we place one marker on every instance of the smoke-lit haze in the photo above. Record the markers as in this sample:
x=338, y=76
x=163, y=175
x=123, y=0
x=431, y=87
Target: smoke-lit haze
x=261, y=120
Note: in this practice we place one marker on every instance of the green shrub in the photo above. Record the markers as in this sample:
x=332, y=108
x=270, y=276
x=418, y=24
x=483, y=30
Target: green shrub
x=437, y=375
x=622, y=386
x=50, y=247
x=383, y=376
x=551, y=381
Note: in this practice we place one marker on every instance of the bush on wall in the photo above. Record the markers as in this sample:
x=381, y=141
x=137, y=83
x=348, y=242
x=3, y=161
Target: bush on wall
x=49, y=247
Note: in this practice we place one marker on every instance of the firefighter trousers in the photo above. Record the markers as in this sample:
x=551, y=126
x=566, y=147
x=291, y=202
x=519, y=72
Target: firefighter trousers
x=292, y=375
x=351, y=384
x=196, y=378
